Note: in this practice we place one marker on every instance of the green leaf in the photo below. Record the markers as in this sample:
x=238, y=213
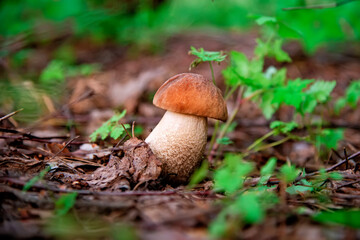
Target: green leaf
x=335, y=176
x=271, y=49
x=319, y=92
x=111, y=128
x=54, y=72
x=240, y=63
x=249, y=207
x=292, y=94
x=218, y=227
x=265, y=19
x=37, y=178
x=269, y=167
x=278, y=78
x=230, y=177
x=329, y=137
x=283, y=127
x=206, y=56
x=340, y=104
x=65, y=203
x=116, y=132
x=267, y=170
x=267, y=106
x=352, y=97
x=224, y=141
x=289, y=173
x=349, y=218
x=199, y=174
x=300, y=188
x=278, y=53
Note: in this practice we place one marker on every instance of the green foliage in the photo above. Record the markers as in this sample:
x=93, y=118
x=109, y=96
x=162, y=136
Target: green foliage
x=206, y=56
x=351, y=98
x=65, y=203
x=230, y=177
x=126, y=22
x=288, y=173
x=37, y=178
x=51, y=82
x=271, y=86
x=283, y=127
x=24, y=95
x=303, y=186
x=267, y=170
x=111, y=128
x=324, y=175
x=224, y=141
x=243, y=205
x=331, y=25
x=349, y=218
x=199, y=174
x=270, y=89
x=329, y=138
x=271, y=49
x=249, y=205
x=57, y=71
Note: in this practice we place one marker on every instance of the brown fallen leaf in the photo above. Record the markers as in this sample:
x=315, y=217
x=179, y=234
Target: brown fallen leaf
x=138, y=165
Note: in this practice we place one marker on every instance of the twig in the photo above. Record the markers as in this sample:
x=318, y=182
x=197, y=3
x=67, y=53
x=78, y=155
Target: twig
x=133, y=129
x=348, y=196
x=127, y=133
x=63, y=148
x=348, y=184
x=346, y=158
x=329, y=168
x=322, y=6
x=10, y=114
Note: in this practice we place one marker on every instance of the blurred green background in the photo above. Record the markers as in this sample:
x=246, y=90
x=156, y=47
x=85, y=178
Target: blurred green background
x=144, y=25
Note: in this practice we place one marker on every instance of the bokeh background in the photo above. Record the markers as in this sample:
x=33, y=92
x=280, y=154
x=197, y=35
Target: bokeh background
x=46, y=43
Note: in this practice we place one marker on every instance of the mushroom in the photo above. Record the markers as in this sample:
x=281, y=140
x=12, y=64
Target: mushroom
x=179, y=139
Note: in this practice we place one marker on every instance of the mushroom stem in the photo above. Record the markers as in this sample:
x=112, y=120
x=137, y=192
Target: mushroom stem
x=179, y=141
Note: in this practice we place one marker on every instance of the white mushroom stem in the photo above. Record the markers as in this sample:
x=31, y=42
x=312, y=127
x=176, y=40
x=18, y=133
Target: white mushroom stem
x=179, y=141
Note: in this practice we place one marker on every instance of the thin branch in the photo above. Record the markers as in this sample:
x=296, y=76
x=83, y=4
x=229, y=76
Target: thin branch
x=63, y=148
x=10, y=114
x=348, y=184
x=127, y=133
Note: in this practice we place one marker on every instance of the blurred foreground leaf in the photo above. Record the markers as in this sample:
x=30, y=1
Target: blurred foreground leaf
x=349, y=218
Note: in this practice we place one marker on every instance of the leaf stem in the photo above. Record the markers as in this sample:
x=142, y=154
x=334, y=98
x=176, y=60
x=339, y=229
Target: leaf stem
x=259, y=140
x=212, y=73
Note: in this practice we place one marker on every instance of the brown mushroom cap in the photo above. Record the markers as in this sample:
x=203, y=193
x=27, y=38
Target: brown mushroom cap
x=190, y=93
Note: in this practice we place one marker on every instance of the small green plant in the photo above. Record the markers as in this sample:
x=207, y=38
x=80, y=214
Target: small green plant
x=351, y=98
x=246, y=203
x=37, y=178
x=247, y=80
x=206, y=56
x=57, y=71
x=111, y=128
x=65, y=203
x=349, y=218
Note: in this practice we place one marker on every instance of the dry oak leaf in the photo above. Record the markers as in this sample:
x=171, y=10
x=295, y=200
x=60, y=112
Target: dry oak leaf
x=138, y=165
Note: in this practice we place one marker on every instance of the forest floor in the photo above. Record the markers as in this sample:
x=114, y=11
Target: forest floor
x=72, y=168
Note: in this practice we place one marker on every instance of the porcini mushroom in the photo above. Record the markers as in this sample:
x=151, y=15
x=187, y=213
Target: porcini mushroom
x=179, y=139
